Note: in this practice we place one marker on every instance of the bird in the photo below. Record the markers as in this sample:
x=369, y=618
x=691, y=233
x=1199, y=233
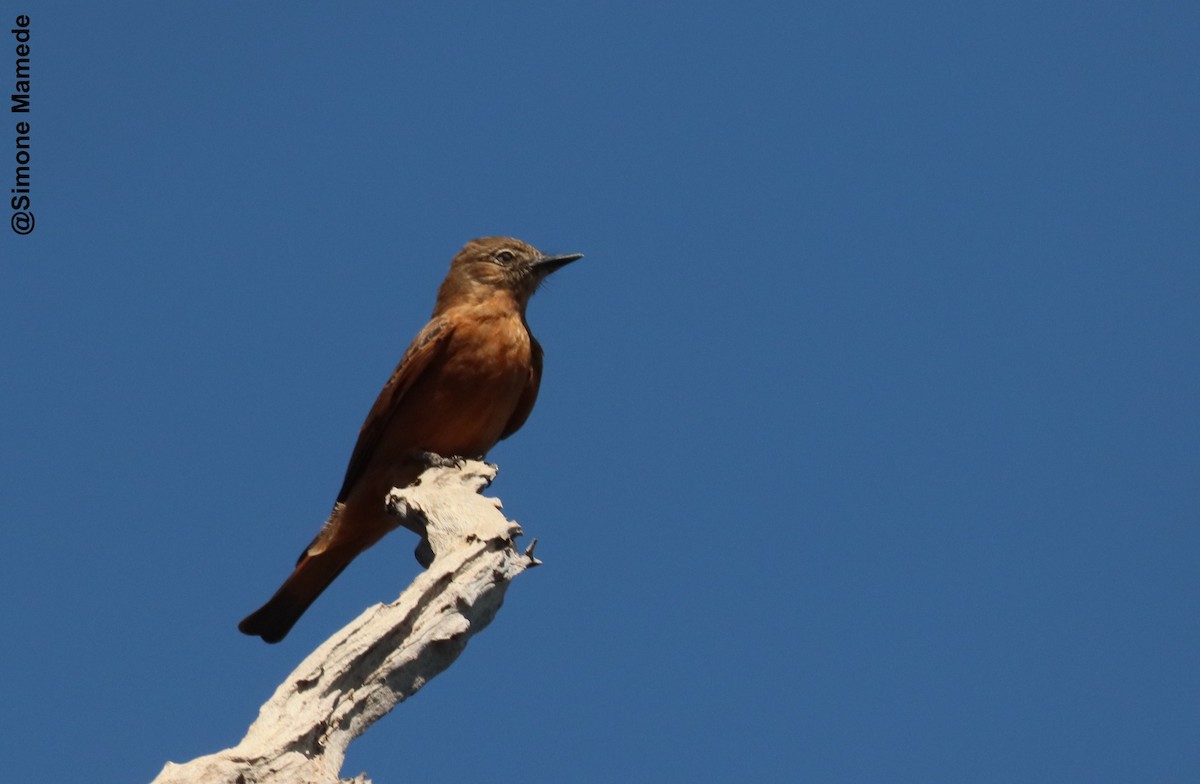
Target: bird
x=469, y=379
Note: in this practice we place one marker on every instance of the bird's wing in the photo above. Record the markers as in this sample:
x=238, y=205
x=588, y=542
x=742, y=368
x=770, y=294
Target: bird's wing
x=529, y=396
x=428, y=344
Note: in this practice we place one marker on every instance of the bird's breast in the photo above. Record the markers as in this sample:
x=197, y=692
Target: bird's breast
x=462, y=403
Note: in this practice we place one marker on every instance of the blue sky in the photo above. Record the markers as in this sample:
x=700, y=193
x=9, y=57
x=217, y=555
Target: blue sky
x=868, y=443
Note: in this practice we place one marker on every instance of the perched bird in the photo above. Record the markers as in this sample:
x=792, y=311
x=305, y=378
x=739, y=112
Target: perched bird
x=468, y=380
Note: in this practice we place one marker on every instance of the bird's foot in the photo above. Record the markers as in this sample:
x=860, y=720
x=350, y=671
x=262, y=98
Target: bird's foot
x=434, y=460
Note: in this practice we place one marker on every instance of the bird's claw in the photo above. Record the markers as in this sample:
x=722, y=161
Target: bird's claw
x=434, y=460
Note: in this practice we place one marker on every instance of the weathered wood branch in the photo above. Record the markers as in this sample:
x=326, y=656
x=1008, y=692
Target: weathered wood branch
x=390, y=651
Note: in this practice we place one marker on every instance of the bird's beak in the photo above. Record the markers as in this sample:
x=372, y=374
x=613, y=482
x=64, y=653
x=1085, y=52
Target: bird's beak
x=547, y=264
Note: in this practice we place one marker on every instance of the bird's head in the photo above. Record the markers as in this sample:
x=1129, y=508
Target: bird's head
x=491, y=264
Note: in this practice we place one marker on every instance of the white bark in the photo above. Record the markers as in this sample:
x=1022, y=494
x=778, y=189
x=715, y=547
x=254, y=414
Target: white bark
x=387, y=653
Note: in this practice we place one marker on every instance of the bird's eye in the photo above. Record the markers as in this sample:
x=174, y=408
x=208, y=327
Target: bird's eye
x=505, y=256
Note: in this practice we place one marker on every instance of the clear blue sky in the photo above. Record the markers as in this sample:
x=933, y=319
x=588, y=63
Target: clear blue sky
x=868, y=448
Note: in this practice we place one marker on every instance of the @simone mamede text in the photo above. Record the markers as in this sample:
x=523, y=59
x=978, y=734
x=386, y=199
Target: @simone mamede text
x=21, y=202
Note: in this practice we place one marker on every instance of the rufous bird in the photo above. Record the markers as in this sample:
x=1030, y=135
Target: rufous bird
x=468, y=380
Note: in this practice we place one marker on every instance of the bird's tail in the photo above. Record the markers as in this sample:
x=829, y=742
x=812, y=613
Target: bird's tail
x=312, y=575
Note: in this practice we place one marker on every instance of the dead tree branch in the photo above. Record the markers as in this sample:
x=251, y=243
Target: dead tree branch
x=390, y=651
